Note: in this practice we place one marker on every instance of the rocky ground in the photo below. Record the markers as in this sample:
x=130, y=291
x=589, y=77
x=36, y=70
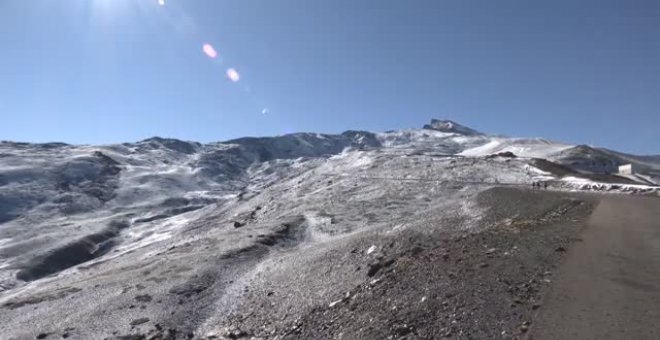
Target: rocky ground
x=420, y=233
x=481, y=285
x=484, y=284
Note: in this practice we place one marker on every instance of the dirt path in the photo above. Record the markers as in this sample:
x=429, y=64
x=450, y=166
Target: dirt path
x=609, y=285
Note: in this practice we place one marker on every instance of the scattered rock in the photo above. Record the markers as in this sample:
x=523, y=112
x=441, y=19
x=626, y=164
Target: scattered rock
x=447, y=333
x=524, y=327
x=234, y=332
x=144, y=298
x=401, y=330
x=132, y=337
x=139, y=321
x=376, y=266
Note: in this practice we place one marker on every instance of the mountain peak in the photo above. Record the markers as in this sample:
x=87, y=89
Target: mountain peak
x=450, y=126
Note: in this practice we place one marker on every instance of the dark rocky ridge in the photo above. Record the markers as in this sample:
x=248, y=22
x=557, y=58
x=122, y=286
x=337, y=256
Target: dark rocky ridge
x=77, y=252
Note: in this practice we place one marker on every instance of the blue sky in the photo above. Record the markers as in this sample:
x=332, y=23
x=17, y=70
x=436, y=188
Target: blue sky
x=107, y=71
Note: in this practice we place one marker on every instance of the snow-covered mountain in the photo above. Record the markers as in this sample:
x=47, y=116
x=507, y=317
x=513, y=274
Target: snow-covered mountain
x=104, y=214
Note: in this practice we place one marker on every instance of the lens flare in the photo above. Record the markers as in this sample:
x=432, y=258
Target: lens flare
x=233, y=75
x=209, y=51
x=161, y=2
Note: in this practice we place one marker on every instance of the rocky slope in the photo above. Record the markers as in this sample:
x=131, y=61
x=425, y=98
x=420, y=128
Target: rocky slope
x=296, y=236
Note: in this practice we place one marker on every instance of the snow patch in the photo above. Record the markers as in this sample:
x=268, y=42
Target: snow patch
x=578, y=183
x=4, y=242
x=482, y=150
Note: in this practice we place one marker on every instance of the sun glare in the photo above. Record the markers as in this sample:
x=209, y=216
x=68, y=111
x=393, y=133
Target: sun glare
x=210, y=51
x=233, y=75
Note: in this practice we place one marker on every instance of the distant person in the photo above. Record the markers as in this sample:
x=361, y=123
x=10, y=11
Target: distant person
x=545, y=185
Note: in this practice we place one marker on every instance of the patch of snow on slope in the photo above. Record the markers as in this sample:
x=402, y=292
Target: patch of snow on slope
x=538, y=174
x=521, y=147
x=350, y=160
x=577, y=183
x=409, y=136
x=4, y=242
x=482, y=150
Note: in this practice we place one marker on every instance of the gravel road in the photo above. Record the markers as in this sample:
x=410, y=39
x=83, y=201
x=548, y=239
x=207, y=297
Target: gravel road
x=609, y=285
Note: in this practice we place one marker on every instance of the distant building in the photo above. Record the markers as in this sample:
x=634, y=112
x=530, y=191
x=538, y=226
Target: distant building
x=627, y=169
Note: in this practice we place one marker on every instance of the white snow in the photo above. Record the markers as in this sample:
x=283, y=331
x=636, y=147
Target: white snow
x=4, y=242
x=521, y=147
x=578, y=183
x=482, y=150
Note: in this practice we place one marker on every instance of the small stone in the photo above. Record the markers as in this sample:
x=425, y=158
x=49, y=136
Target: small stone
x=374, y=268
x=42, y=335
x=402, y=330
x=139, y=321
x=143, y=298
x=524, y=327
x=234, y=333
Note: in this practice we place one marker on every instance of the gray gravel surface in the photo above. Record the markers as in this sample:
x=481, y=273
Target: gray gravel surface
x=609, y=285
